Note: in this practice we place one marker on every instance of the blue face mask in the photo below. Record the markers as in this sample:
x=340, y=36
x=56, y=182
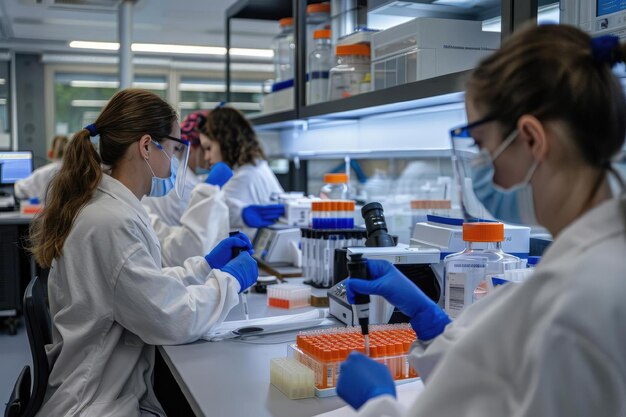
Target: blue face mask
x=161, y=186
x=512, y=205
x=202, y=171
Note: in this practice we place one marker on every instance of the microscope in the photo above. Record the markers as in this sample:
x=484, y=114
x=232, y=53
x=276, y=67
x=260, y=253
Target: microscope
x=415, y=263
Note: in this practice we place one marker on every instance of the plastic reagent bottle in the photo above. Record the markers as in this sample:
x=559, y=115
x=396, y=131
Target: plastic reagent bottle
x=466, y=272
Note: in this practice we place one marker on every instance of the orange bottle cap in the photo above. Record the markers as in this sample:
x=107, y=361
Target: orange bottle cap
x=286, y=21
x=483, y=232
x=321, y=33
x=335, y=178
x=356, y=49
x=318, y=8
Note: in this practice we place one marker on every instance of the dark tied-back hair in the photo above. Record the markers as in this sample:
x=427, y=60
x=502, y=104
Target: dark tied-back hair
x=238, y=141
x=555, y=72
x=129, y=115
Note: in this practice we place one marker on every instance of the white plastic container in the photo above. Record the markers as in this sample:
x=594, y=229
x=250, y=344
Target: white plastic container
x=335, y=187
x=467, y=272
x=284, y=51
x=428, y=47
x=351, y=75
x=319, y=65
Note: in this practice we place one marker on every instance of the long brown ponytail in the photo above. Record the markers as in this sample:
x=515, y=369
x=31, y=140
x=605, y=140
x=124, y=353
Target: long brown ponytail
x=129, y=115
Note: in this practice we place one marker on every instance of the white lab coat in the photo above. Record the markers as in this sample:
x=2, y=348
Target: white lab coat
x=250, y=184
x=111, y=302
x=170, y=208
x=204, y=224
x=36, y=185
x=552, y=346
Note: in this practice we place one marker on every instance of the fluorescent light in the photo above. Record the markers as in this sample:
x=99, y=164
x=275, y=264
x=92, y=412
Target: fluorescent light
x=263, y=53
x=115, y=84
x=106, y=46
x=192, y=105
x=94, y=84
x=88, y=103
x=3, y=101
x=545, y=14
x=178, y=49
x=2, y=81
x=220, y=87
x=175, y=49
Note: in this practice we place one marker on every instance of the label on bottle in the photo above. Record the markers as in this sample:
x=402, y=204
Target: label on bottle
x=462, y=278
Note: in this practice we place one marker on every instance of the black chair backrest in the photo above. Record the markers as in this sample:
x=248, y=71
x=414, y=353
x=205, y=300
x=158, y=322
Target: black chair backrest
x=20, y=397
x=38, y=327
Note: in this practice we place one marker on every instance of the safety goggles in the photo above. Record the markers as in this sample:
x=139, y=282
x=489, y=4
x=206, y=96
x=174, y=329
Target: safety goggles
x=183, y=157
x=463, y=142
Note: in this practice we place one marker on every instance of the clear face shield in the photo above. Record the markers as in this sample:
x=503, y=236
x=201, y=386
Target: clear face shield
x=467, y=161
x=181, y=153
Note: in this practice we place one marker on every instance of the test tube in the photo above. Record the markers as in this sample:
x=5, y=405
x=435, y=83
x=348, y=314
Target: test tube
x=243, y=295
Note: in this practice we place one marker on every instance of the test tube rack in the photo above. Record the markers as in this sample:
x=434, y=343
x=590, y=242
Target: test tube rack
x=292, y=378
x=323, y=351
x=318, y=251
x=332, y=214
x=288, y=296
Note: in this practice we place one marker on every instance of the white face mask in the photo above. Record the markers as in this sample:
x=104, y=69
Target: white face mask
x=512, y=205
x=160, y=187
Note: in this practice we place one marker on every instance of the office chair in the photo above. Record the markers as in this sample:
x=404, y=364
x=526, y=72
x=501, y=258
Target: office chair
x=25, y=402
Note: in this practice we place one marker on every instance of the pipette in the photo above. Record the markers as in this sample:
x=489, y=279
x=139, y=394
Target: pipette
x=357, y=268
x=243, y=297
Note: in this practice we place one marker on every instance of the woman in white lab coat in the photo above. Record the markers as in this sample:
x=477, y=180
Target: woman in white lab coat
x=194, y=223
x=228, y=137
x=171, y=207
x=110, y=299
x=36, y=184
x=548, y=116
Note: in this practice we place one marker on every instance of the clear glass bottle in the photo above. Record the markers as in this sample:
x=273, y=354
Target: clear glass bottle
x=351, y=75
x=284, y=47
x=317, y=17
x=335, y=187
x=466, y=273
x=320, y=62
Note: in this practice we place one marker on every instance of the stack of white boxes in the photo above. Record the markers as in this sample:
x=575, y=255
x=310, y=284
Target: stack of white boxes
x=428, y=47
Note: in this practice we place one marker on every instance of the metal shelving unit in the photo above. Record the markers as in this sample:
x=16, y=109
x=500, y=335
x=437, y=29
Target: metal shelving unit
x=398, y=98
x=433, y=91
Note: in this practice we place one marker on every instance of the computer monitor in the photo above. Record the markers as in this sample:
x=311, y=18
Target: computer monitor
x=599, y=17
x=15, y=166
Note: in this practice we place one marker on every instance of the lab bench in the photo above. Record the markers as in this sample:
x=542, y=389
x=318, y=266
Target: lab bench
x=232, y=377
x=16, y=266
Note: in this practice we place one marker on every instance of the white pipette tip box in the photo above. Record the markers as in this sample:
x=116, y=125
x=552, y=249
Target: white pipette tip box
x=292, y=378
x=288, y=296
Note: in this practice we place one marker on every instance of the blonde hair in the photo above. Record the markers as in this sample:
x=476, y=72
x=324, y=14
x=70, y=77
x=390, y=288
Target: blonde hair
x=129, y=115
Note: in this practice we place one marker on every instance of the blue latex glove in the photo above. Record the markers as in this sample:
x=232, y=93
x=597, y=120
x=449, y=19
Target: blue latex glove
x=219, y=174
x=427, y=319
x=244, y=269
x=361, y=378
x=262, y=215
x=223, y=252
